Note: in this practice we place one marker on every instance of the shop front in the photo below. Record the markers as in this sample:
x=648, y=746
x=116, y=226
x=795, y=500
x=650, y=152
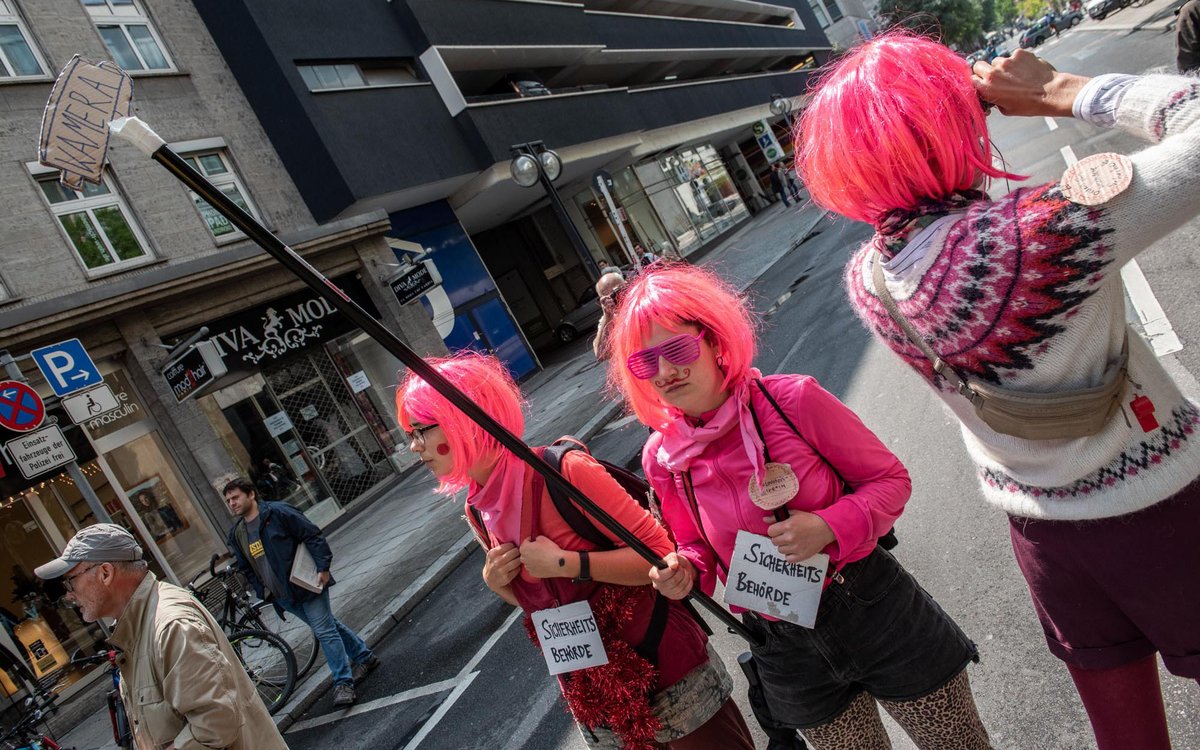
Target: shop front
x=133, y=473
x=305, y=409
x=693, y=196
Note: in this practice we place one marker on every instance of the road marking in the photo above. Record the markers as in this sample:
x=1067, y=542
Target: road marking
x=441, y=712
x=391, y=700
x=466, y=675
x=1052, y=123
x=1158, y=329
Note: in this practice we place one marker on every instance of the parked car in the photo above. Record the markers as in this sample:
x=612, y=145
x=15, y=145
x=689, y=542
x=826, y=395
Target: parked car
x=1098, y=9
x=1036, y=34
x=583, y=318
x=1068, y=19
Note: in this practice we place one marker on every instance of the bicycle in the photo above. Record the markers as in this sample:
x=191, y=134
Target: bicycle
x=122, y=732
x=270, y=664
x=226, y=596
x=24, y=734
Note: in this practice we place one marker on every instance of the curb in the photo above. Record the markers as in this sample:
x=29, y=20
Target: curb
x=311, y=689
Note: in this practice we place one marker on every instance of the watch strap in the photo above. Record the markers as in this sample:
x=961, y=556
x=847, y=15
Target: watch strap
x=585, y=568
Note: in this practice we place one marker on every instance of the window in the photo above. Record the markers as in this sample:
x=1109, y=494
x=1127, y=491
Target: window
x=353, y=75
x=18, y=58
x=835, y=10
x=128, y=35
x=97, y=223
x=215, y=166
x=819, y=11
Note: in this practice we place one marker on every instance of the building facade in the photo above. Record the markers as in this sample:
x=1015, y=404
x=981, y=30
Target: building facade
x=139, y=263
x=414, y=107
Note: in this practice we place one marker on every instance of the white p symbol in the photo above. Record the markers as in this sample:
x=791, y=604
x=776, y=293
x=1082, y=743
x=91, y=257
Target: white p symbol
x=59, y=363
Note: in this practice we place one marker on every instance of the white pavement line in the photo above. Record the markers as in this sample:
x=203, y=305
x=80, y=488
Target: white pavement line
x=391, y=700
x=1158, y=329
x=1052, y=123
x=537, y=713
x=1068, y=155
x=466, y=676
x=441, y=712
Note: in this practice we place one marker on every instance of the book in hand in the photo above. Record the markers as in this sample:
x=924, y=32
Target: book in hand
x=304, y=571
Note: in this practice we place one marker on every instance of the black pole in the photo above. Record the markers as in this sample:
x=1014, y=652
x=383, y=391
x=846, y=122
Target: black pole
x=534, y=151
x=336, y=297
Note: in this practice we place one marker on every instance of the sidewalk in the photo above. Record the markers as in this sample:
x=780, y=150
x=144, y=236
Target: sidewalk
x=388, y=557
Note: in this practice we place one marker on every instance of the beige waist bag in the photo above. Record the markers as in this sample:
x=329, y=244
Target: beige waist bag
x=1023, y=414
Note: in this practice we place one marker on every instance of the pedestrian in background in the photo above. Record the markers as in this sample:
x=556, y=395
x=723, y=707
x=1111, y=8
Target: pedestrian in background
x=683, y=343
x=777, y=184
x=1020, y=300
x=610, y=284
x=265, y=539
x=1187, y=38
x=662, y=683
x=183, y=686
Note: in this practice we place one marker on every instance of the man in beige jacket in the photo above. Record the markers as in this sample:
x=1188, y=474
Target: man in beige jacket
x=182, y=683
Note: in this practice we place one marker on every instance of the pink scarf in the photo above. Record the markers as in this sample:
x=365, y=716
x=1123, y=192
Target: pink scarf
x=683, y=442
x=499, y=499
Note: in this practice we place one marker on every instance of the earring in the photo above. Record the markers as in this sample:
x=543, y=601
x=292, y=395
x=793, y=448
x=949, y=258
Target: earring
x=721, y=361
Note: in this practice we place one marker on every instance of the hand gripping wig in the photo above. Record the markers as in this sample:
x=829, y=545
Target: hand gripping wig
x=894, y=124
x=486, y=381
x=674, y=296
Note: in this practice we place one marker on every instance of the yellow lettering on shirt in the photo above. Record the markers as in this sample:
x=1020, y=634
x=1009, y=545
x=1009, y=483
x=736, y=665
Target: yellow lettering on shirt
x=256, y=548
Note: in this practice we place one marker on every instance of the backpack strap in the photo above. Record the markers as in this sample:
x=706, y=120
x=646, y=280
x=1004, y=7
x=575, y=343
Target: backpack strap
x=570, y=513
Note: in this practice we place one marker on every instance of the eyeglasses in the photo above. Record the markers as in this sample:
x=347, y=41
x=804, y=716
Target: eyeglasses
x=418, y=433
x=69, y=581
x=683, y=349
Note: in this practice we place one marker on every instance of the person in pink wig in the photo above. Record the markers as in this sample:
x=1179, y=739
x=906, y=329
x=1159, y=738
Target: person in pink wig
x=662, y=684
x=1024, y=293
x=683, y=344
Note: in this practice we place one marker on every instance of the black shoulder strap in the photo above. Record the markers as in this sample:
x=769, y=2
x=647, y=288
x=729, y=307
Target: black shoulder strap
x=779, y=410
x=574, y=517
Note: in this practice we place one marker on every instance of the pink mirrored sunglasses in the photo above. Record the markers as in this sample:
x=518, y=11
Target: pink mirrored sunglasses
x=683, y=349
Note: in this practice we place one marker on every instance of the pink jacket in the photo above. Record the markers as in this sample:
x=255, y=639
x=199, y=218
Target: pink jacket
x=834, y=436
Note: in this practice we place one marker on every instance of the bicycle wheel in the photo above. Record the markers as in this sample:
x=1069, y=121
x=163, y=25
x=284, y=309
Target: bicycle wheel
x=298, y=635
x=269, y=663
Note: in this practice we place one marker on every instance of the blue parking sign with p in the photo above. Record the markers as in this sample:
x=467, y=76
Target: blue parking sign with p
x=67, y=367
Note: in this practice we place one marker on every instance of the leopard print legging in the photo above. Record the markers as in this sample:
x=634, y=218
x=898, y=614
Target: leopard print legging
x=946, y=719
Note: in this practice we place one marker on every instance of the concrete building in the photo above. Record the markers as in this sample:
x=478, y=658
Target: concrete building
x=140, y=262
x=413, y=107
x=846, y=22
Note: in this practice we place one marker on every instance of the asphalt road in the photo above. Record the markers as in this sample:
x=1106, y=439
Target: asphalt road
x=461, y=674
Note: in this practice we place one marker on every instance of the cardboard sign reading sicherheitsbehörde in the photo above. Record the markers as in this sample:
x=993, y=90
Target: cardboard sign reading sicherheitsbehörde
x=569, y=637
x=74, y=138
x=761, y=580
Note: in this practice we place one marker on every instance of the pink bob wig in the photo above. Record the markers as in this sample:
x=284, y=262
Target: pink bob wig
x=486, y=382
x=894, y=123
x=674, y=296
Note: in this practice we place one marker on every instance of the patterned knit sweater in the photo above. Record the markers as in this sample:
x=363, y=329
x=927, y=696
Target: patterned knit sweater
x=1026, y=291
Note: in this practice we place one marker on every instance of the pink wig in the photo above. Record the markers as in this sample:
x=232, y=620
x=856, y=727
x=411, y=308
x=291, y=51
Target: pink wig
x=486, y=382
x=894, y=123
x=674, y=296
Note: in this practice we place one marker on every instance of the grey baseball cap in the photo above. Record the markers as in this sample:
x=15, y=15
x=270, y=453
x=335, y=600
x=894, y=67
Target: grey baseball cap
x=101, y=542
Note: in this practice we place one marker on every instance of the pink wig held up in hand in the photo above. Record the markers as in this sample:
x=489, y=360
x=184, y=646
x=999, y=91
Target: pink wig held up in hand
x=894, y=123
x=488, y=383
x=674, y=296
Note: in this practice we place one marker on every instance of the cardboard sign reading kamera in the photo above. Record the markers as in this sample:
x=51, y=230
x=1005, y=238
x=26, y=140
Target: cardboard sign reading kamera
x=74, y=138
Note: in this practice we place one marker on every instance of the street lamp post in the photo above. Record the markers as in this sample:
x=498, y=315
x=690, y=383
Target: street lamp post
x=532, y=163
x=782, y=106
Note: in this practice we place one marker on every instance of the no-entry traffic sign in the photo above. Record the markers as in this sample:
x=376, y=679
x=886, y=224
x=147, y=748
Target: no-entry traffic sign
x=21, y=409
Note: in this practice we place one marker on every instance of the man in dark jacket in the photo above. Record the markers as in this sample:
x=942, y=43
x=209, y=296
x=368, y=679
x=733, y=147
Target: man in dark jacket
x=264, y=541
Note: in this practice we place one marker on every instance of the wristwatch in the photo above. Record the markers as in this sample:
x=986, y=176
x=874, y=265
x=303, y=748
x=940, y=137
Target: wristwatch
x=585, y=569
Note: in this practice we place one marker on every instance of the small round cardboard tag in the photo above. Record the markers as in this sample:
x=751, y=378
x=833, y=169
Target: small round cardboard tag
x=779, y=486
x=1097, y=179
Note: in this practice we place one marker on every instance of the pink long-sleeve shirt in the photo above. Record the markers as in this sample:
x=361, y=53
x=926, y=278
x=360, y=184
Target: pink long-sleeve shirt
x=833, y=438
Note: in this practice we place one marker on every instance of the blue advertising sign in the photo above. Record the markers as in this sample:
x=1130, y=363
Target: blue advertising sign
x=466, y=308
x=67, y=367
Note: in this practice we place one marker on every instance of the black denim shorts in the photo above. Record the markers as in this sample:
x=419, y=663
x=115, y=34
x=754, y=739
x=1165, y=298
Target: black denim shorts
x=877, y=631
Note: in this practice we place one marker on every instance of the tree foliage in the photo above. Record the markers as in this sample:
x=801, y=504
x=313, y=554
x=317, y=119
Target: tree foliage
x=987, y=10
x=1005, y=12
x=955, y=22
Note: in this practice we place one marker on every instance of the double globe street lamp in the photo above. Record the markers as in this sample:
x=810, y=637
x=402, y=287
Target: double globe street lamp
x=533, y=163
x=781, y=106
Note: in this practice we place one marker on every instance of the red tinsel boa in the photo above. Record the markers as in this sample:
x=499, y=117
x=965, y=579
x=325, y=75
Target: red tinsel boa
x=615, y=695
